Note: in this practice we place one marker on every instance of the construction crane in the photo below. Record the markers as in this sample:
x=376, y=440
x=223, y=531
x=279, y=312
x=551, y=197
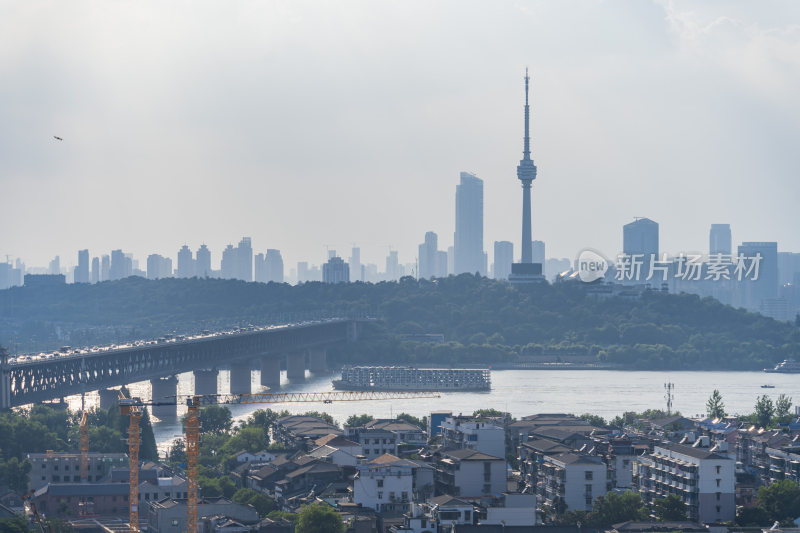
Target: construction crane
x=134, y=407
x=133, y=410
x=84, y=443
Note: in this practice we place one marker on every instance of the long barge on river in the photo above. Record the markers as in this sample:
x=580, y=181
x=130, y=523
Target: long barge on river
x=406, y=378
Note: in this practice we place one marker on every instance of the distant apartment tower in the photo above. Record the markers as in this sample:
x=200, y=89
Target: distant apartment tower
x=335, y=271
x=427, y=256
x=244, y=260
x=185, y=263
x=81, y=274
x=54, y=267
x=538, y=252
x=202, y=263
x=274, y=265
x=121, y=265
x=394, y=270
x=95, y=270
x=105, y=268
x=228, y=265
x=355, y=265
x=503, y=257
x=755, y=293
x=158, y=267
x=640, y=238
x=468, y=238
x=719, y=239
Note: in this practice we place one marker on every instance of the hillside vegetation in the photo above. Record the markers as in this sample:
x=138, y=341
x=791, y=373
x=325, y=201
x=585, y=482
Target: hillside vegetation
x=482, y=320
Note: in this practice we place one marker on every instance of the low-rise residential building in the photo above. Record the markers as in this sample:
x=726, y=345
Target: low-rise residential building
x=296, y=429
x=467, y=473
x=438, y=515
x=169, y=515
x=409, y=436
x=473, y=434
x=374, y=442
x=333, y=455
x=56, y=467
x=784, y=463
x=530, y=455
x=163, y=487
x=571, y=481
x=385, y=484
x=59, y=500
x=703, y=479
x=340, y=443
x=259, y=457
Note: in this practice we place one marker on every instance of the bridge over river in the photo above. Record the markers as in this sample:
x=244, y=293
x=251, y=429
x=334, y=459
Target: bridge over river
x=26, y=380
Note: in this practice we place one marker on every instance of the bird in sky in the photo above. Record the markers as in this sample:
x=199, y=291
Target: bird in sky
x=56, y=137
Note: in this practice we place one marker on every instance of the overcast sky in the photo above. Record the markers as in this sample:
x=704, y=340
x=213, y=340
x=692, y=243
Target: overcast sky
x=306, y=124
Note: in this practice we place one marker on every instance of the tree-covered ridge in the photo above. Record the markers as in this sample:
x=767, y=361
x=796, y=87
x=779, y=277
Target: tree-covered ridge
x=482, y=320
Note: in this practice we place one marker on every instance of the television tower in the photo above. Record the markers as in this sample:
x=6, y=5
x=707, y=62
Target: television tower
x=526, y=173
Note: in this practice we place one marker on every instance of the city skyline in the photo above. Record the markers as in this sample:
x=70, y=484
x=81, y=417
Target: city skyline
x=145, y=169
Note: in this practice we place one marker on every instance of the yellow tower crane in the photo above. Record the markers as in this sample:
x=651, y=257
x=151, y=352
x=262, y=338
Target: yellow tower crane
x=84, y=443
x=134, y=406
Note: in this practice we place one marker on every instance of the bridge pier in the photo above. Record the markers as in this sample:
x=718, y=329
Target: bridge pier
x=318, y=360
x=296, y=366
x=240, y=377
x=205, y=382
x=161, y=390
x=5, y=388
x=270, y=371
x=108, y=397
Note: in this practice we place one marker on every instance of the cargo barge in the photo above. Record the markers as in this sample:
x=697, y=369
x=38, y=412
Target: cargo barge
x=405, y=378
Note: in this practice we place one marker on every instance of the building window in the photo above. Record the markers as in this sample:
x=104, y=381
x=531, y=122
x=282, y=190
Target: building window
x=588, y=500
x=380, y=495
x=719, y=468
x=588, y=491
x=589, y=475
x=467, y=517
x=718, y=508
x=174, y=521
x=718, y=482
x=377, y=451
x=405, y=495
x=380, y=483
x=66, y=468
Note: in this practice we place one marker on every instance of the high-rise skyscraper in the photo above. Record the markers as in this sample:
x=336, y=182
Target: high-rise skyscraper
x=468, y=238
x=719, y=239
x=245, y=260
x=527, y=270
x=95, y=270
x=54, y=267
x=229, y=263
x=640, y=238
x=756, y=292
x=121, y=265
x=105, y=268
x=335, y=271
x=427, y=256
x=394, y=270
x=202, y=265
x=159, y=267
x=503, y=257
x=538, y=252
x=273, y=263
x=355, y=264
x=185, y=263
x=81, y=274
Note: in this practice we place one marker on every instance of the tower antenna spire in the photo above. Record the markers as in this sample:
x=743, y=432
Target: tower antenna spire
x=526, y=173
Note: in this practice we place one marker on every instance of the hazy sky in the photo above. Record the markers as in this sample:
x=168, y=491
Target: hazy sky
x=305, y=124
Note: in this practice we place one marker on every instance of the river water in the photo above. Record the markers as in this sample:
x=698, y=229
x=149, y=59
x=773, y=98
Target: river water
x=521, y=392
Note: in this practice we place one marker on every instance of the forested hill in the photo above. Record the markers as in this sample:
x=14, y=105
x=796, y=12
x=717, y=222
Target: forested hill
x=482, y=320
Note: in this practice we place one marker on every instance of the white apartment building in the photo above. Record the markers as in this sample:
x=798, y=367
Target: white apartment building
x=469, y=473
x=572, y=479
x=701, y=477
x=385, y=484
x=473, y=434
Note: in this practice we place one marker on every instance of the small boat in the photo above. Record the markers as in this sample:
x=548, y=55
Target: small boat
x=767, y=386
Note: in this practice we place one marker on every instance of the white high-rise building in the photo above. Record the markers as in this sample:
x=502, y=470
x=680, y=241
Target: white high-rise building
x=468, y=239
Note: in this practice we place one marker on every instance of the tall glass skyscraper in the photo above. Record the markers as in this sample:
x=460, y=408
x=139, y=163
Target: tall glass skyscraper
x=719, y=239
x=468, y=241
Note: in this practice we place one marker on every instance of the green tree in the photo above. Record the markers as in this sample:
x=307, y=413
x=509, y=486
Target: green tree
x=261, y=502
x=421, y=423
x=14, y=525
x=764, y=411
x=594, y=420
x=670, y=509
x=215, y=419
x=318, y=518
x=250, y=439
x=714, y=406
x=613, y=508
x=753, y=517
x=15, y=474
x=781, y=500
x=783, y=408
x=357, y=421
x=177, y=452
